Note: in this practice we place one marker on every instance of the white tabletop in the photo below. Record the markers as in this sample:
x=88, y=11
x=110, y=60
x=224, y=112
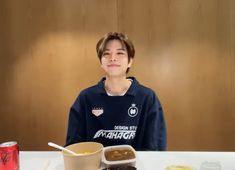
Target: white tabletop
x=145, y=160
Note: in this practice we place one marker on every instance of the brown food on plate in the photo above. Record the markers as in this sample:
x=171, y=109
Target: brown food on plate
x=119, y=154
x=178, y=167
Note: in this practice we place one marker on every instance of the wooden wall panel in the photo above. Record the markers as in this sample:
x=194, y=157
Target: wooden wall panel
x=48, y=56
x=184, y=51
x=184, y=48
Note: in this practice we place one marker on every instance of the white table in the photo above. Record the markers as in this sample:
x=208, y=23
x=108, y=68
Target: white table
x=145, y=160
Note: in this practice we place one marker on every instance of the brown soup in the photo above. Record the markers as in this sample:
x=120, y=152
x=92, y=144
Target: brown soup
x=119, y=154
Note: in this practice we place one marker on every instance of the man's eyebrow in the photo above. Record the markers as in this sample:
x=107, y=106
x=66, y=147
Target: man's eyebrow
x=123, y=49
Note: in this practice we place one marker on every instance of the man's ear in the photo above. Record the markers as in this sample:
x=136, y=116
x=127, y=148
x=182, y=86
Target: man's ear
x=130, y=63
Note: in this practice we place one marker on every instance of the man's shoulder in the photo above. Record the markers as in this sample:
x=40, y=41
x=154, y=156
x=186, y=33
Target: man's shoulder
x=144, y=89
x=89, y=90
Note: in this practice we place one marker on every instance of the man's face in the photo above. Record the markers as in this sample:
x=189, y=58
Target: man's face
x=114, y=59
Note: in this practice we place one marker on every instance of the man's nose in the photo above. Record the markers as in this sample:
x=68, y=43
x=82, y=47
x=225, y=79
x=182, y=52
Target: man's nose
x=113, y=57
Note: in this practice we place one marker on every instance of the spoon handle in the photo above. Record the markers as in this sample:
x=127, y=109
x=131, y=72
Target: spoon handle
x=61, y=148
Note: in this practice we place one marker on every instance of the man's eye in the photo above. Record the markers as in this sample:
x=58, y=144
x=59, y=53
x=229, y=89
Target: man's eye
x=105, y=54
x=120, y=53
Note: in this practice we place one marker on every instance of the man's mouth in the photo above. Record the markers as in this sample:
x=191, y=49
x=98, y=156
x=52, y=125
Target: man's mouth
x=113, y=65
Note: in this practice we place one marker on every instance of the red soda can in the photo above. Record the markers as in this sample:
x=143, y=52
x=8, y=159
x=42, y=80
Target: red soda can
x=9, y=156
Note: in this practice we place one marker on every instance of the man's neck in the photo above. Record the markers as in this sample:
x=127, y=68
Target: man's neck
x=117, y=86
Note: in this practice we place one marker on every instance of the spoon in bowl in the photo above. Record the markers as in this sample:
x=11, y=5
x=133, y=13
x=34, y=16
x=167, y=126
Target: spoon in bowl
x=63, y=148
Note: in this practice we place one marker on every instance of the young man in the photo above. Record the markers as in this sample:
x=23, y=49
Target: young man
x=118, y=110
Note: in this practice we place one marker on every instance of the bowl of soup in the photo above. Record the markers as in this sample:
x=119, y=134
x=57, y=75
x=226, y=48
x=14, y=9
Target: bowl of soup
x=90, y=155
x=119, y=156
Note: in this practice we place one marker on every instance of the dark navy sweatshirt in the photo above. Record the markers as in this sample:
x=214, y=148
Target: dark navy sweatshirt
x=136, y=118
